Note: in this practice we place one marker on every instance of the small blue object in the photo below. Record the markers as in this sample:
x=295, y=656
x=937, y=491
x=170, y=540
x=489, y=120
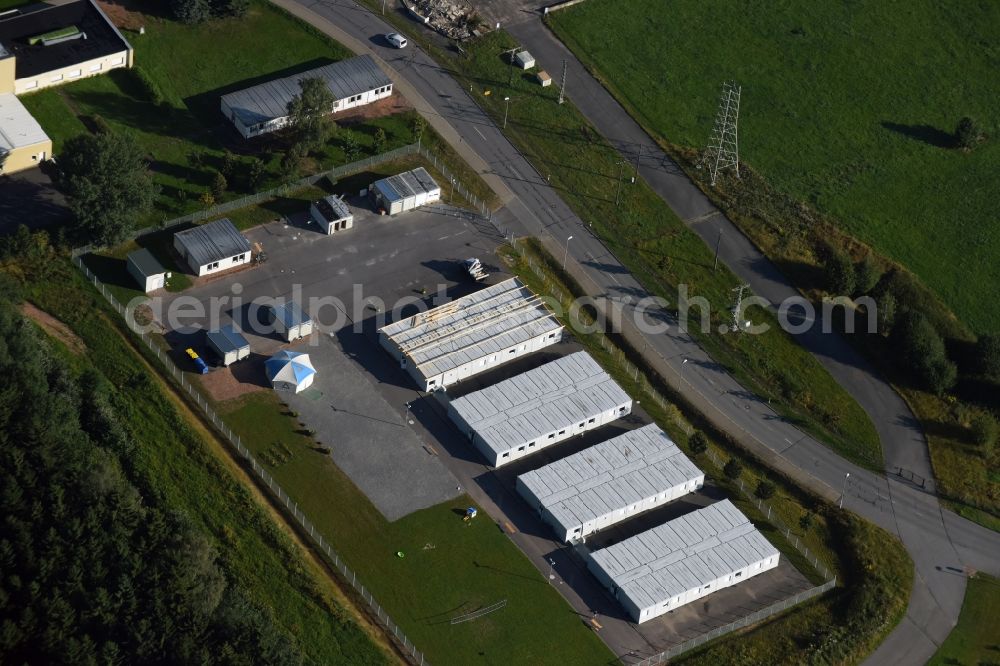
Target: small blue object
x=470, y=512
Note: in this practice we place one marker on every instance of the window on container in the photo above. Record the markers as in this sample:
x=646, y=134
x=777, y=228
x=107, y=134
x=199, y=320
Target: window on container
x=520, y=448
x=582, y=423
x=562, y=432
x=96, y=68
x=213, y=266
x=511, y=351
x=505, y=454
x=552, y=435
x=621, y=410
x=75, y=73
x=738, y=574
x=57, y=77
x=432, y=382
x=531, y=445
x=591, y=420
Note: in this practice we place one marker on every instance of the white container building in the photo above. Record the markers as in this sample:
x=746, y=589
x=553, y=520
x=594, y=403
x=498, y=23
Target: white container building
x=471, y=334
x=683, y=560
x=405, y=191
x=263, y=108
x=229, y=344
x=146, y=270
x=289, y=321
x=610, y=482
x=541, y=407
x=331, y=214
x=213, y=247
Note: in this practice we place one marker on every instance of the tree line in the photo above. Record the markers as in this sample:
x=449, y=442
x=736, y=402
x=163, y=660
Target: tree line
x=92, y=570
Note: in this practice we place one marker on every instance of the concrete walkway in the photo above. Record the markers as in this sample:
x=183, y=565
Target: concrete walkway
x=940, y=542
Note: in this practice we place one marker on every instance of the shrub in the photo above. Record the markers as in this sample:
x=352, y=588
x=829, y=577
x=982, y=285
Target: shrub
x=255, y=172
x=967, y=133
x=191, y=11
x=99, y=125
x=229, y=164
x=733, y=469
x=207, y=199
x=806, y=521
x=866, y=275
x=840, y=277
x=988, y=356
x=886, y=311
x=920, y=352
x=219, y=185
x=984, y=431
x=380, y=141
x=698, y=442
x=234, y=8
x=764, y=490
x=148, y=88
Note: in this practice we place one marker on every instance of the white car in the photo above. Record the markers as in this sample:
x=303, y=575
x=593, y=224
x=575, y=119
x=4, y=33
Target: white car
x=396, y=40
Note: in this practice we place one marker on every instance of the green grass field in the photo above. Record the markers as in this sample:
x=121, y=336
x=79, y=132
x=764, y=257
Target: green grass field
x=171, y=462
x=192, y=66
x=660, y=250
x=449, y=567
x=975, y=639
x=847, y=107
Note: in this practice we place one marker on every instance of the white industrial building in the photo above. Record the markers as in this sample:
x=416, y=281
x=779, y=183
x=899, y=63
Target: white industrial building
x=146, y=270
x=289, y=321
x=471, y=334
x=405, y=191
x=683, y=560
x=526, y=413
x=229, y=344
x=331, y=214
x=213, y=247
x=263, y=108
x=610, y=482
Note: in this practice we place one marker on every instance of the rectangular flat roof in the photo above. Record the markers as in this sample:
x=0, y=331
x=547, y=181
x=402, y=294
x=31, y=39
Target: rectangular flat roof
x=269, y=100
x=550, y=397
x=16, y=29
x=18, y=128
x=683, y=554
x=289, y=314
x=214, y=241
x=610, y=476
x=227, y=339
x=406, y=184
x=485, y=322
x=146, y=263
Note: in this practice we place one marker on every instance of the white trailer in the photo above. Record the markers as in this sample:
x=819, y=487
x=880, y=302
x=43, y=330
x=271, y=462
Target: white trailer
x=229, y=344
x=289, y=321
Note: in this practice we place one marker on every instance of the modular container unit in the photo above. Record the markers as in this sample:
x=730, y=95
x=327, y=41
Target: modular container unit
x=610, y=482
x=229, y=344
x=471, y=335
x=289, y=321
x=683, y=560
x=331, y=214
x=541, y=407
x=405, y=191
x=146, y=270
x=213, y=247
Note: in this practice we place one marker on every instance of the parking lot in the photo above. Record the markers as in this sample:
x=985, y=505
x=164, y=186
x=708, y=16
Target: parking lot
x=396, y=443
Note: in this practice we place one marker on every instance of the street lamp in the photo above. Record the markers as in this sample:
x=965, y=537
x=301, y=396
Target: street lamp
x=552, y=563
x=844, y=491
x=566, y=252
x=408, y=419
x=506, y=108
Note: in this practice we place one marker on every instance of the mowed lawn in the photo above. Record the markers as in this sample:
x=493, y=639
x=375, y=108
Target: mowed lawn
x=976, y=638
x=448, y=568
x=192, y=66
x=846, y=106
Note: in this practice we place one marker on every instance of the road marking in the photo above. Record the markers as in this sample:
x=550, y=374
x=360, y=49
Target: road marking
x=478, y=132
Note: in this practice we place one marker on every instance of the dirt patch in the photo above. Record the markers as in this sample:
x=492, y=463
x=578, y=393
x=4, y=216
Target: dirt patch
x=122, y=16
x=396, y=103
x=221, y=385
x=54, y=327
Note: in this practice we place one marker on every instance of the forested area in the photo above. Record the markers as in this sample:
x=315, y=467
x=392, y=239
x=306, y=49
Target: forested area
x=92, y=568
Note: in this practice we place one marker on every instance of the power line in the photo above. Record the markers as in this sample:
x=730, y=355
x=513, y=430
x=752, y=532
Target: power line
x=723, y=149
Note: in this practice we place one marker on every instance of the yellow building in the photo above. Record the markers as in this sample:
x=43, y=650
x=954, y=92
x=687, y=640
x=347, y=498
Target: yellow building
x=23, y=143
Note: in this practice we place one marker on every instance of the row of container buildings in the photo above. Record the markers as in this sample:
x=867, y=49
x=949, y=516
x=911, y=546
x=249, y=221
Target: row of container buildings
x=651, y=573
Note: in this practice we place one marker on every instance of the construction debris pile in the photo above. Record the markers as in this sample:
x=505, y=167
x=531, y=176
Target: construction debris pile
x=455, y=19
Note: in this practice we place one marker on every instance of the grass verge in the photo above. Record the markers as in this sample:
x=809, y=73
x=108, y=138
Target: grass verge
x=974, y=640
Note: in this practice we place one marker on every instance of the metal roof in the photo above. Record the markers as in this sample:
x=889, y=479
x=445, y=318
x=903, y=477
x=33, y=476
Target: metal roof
x=289, y=314
x=683, y=554
x=146, y=263
x=550, y=397
x=227, y=339
x=332, y=208
x=18, y=128
x=610, y=476
x=214, y=241
x=406, y=184
x=485, y=322
x=269, y=101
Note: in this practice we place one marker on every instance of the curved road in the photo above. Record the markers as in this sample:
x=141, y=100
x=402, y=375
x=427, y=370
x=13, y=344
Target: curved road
x=943, y=545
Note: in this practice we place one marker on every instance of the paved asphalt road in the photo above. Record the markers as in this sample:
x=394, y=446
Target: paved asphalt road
x=941, y=543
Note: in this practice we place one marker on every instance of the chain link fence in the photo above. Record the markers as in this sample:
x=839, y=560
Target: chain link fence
x=405, y=645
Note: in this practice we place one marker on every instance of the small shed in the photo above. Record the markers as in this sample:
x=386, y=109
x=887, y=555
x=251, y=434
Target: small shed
x=289, y=320
x=290, y=371
x=331, y=214
x=544, y=79
x=229, y=344
x=146, y=270
x=404, y=191
x=524, y=60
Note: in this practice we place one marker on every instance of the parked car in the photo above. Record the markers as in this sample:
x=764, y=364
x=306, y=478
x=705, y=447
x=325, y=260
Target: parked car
x=396, y=40
x=198, y=361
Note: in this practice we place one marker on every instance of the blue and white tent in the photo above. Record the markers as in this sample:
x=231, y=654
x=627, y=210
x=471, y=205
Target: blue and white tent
x=290, y=371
